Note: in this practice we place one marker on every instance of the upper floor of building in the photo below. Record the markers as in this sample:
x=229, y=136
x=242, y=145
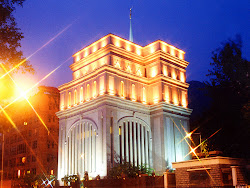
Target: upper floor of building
x=115, y=66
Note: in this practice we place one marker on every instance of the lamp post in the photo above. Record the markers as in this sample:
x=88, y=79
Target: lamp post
x=200, y=140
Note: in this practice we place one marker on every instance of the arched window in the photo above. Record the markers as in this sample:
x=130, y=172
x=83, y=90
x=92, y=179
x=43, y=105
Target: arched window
x=81, y=145
x=134, y=142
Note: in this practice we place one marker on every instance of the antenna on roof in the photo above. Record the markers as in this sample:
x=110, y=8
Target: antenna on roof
x=130, y=29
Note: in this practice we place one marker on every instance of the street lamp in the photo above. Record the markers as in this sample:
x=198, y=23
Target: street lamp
x=200, y=141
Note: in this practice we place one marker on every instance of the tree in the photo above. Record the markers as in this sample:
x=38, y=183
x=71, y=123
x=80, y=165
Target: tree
x=229, y=90
x=229, y=69
x=10, y=36
x=10, y=53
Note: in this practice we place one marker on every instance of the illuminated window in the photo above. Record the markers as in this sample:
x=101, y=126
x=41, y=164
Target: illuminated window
x=184, y=98
x=51, y=172
x=18, y=173
x=69, y=99
x=165, y=71
x=167, y=93
x=172, y=50
x=75, y=96
x=62, y=101
x=144, y=95
x=94, y=89
x=173, y=73
x=23, y=159
x=175, y=96
x=134, y=134
x=122, y=89
x=81, y=94
x=111, y=85
x=154, y=71
x=88, y=91
x=133, y=92
x=182, y=76
x=181, y=55
x=25, y=123
x=138, y=51
x=102, y=85
x=155, y=94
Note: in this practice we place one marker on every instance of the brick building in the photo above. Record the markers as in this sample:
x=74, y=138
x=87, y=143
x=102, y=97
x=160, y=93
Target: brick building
x=31, y=147
x=211, y=172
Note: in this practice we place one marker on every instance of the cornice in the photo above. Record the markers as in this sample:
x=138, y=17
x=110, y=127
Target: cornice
x=121, y=73
x=115, y=101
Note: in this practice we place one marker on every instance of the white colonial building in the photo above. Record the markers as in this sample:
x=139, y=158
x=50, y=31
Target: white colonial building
x=125, y=103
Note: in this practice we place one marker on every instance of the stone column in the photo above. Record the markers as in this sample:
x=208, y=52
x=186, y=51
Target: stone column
x=122, y=141
x=146, y=147
x=131, y=142
x=142, y=145
x=234, y=175
x=135, y=146
x=139, y=144
x=127, y=152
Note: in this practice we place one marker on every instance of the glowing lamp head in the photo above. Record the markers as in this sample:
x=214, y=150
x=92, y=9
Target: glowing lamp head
x=189, y=135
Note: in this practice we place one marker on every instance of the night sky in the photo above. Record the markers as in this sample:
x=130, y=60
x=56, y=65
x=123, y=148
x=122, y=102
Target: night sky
x=196, y=27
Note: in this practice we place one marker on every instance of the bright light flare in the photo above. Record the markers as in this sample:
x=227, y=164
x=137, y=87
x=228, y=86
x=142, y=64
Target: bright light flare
x=35, y=85
x=188, y=135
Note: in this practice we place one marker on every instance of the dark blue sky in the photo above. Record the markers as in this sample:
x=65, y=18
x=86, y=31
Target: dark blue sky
x=197, y=27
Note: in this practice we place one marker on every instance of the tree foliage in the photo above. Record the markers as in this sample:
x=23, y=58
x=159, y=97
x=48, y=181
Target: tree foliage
x=229, y=91
x=128, y=170
x=10, y=36
x=229, y=69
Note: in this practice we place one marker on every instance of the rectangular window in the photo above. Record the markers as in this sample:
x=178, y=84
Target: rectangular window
x=167, y=94
x=111, y=85
x=102, y=90
x=88, y=91
x=94, y=89
x=75, y=96
x=81, y=94
x=34, y=145
x=133, y=95
x=155, y=94
x=122, y=89
x=69, y=99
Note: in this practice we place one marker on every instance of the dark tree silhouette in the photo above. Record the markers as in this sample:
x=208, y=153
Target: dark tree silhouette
x=10, y=36
x=229, y=91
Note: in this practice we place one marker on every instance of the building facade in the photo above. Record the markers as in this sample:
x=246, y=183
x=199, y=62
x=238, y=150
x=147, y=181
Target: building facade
x=125, y=103
x=32, y=146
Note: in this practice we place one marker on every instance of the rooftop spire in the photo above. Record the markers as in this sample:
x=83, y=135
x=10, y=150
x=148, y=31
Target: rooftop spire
x=130, y=29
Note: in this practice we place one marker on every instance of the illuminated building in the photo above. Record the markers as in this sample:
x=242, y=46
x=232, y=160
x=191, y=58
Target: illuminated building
x=125, y=103
x=32, y=148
